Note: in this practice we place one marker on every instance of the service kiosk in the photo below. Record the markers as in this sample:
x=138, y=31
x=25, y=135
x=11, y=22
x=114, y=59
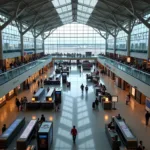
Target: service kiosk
x=64, y=78
x=45, y=136
x=58, y=94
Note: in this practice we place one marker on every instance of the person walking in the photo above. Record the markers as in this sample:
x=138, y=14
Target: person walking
x=96, y=102
x=17, y=103
x=127, y=99
x=86, y=88
x=82, y=88
x=38, y=83
x=74, y=133
x=147, y=115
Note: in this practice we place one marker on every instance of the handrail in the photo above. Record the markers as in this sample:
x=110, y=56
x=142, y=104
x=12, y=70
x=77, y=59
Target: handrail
x=138, y=74
x=9, y=75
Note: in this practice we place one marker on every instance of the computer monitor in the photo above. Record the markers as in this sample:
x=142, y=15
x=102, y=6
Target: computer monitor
x=114, y=98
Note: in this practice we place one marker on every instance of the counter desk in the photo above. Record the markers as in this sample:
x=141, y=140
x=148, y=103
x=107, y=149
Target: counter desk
x=38, y=95
x=126, y=135
x=52, y=82
x=107, y=105
x=8, y=136
x=113, y=138
x=33, y=105
x=26, y=137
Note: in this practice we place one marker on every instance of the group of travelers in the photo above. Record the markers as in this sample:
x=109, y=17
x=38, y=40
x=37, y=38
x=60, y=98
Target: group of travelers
x=140, y=146
x=40, y=82
x=21, y=104
x=82, y=88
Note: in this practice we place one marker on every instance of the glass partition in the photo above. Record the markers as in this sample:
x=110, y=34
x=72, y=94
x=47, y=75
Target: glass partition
x=140, y=75
x=9, y=75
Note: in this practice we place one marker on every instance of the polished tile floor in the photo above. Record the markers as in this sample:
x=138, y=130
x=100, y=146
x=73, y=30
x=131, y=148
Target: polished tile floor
x=76, y=109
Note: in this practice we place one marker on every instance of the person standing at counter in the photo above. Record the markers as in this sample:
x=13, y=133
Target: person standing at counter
x=147, y=116
x=4, y=128
x=42, y=118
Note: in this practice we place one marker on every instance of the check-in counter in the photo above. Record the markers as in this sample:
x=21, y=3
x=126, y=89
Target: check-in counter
x=8, y=136
x=33, y=105
x=113, y=138
x=51, y=77
x=50, y=95
x=38, y=95
x=58, y=76
x=126, y=135
x=49, y=103
x=45, y=136
x=97, y=90
x=52, y=82
x=27, y=135
x=58, y=71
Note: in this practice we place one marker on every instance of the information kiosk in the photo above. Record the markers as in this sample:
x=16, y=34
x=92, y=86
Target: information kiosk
x=58, y=94
x=45, y=136
x=27, y=135
x=64, y=78
x=7, y=137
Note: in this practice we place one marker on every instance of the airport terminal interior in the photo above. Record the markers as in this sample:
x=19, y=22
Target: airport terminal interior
x=74, y=74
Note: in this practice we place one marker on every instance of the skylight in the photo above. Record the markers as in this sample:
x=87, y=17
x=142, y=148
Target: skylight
x=64, y=9
x=85, y=8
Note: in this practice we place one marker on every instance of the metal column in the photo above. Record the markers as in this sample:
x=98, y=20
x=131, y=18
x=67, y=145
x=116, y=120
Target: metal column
x=148, y=52
x=129, y=39
x=1, y=49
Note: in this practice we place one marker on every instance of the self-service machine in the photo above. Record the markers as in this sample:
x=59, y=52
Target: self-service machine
x=64, y=78
x=58, y=94
x=45, y=136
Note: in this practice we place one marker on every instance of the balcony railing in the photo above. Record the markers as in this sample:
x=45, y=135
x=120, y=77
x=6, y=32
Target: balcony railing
x=9, y=75
x=138, y=74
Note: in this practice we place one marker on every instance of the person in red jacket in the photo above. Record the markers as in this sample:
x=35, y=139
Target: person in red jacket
x=74, y=133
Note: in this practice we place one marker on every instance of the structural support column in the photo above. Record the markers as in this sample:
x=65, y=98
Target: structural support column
x=1, y=49
x=148, y=52
x=114, y=45
x=129, y=39
x=106, y=44
x=35, y=42
x=43, y=46
x=22, y=47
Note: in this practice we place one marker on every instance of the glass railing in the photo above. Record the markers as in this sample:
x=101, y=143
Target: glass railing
x=138, y=74
x=9, y=75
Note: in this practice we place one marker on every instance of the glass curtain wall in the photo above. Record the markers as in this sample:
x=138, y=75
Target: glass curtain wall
x=11, y=39
x=121, y=41
x=139, y=39
x=75, y=38
x=39, y=43
x=110, y=43
x=28, y=41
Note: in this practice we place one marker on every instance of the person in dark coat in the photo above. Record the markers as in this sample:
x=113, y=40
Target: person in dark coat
x=42, y=118
x=147, y=115
x=86, y=88
x=4, y=128
x=18, y=103
x=82, y=88
x=96, y=102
